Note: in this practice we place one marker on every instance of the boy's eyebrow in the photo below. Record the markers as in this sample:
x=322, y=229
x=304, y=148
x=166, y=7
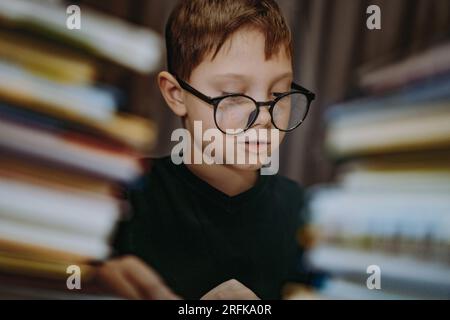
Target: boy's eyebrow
x=286, y=75
x=237, y=76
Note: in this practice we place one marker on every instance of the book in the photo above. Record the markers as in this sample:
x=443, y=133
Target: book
x=83, y=154
x=121, y=129
x=378, y=211
x=68, y=149
x=129, y=45
x=391, y=103
x=408, y=130
x=38, y=252
x=53, y=208
x=418, y=67
x=17, y=264
x=93, y=248
x=48, y=61
x=388, y=203
x=419, y=279
x=24, y=286
x=19, y=86
x=22, y=169
x=344, y=289
x=375, y=177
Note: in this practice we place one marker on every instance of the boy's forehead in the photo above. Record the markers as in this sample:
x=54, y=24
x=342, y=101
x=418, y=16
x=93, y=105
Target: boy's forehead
x=239, y=77
x=244, y=53
x=248, y=43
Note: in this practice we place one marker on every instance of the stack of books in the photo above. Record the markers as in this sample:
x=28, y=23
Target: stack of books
x=390, y=205
x=66, y=147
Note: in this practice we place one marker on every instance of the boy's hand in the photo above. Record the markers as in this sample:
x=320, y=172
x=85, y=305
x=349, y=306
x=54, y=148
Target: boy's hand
x=130, y=278
x=230, y=290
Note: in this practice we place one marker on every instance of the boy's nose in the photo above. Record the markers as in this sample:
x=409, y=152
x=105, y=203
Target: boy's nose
x=264, y=118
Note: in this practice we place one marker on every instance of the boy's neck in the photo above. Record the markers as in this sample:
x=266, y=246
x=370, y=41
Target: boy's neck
x=227, y=179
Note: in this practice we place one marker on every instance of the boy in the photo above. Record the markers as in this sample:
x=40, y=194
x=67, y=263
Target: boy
x=217, y=230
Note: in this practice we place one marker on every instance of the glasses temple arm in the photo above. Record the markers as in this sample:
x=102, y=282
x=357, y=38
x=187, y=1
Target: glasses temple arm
x=298, y=87
x=194, y=91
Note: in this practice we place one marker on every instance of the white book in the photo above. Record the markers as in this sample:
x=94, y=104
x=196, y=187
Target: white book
x=418, y=277
x=85, y=101
x=59, y=210
x=357, y=213
x=393, y=134
x=23, y=233
x=132, y=46
x=396, y=180
x=342, y=289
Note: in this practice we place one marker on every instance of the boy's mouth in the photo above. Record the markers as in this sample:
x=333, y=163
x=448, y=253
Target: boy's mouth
x=257, y=146
x=258, y=143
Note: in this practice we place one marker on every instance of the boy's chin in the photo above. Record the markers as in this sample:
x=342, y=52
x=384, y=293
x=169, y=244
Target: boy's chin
x=252, y=162
x=247, y=167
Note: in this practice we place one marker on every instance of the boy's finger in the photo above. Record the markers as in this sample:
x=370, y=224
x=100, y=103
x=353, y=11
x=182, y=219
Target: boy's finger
x=118, y=283
x=147, y=281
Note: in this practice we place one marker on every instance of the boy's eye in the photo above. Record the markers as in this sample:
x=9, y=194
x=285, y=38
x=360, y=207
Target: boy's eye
x=274, y=94
x=224, y=93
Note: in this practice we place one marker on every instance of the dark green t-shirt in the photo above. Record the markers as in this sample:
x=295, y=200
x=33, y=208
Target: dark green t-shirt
x=197, y=237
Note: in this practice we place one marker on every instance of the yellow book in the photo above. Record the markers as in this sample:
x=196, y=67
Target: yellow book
x=49, y=269
x=135, y=131
x=30, y=251
x=46, y=60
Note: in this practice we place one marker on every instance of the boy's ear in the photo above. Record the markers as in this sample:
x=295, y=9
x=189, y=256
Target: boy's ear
x=172, y=93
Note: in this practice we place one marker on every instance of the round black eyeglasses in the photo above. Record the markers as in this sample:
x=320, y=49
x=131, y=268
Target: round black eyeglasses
x=236, y=113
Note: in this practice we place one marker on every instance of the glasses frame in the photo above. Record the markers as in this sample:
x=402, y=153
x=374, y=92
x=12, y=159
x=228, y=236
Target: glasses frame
x=215, y=101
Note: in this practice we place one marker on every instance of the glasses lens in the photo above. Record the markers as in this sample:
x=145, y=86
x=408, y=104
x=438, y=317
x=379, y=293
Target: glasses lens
x=235, y=113
x=290, y=111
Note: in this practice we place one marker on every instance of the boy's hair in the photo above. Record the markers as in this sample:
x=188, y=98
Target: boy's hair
x=197, y=28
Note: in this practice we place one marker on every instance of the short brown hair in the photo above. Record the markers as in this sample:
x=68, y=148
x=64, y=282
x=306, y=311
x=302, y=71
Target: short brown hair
x=198, y=27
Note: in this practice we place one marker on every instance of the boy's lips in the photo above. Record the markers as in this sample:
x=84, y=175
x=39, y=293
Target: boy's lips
x=256, y=146
x=259, y=143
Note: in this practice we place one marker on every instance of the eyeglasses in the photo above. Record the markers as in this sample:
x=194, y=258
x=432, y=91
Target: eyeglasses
x=236, y=113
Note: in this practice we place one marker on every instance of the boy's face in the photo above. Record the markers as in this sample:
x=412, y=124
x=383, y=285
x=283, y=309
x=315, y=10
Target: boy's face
x=240, y=67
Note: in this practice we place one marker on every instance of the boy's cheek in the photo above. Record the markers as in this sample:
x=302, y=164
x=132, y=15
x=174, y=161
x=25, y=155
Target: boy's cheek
x=281, y=139
x=198, y=111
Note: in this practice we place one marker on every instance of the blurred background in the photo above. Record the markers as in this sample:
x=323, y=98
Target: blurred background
x=79, y=107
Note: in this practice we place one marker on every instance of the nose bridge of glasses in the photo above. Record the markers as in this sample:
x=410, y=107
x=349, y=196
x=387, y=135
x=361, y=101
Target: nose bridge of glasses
x=260, y=104
x=263, y=115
